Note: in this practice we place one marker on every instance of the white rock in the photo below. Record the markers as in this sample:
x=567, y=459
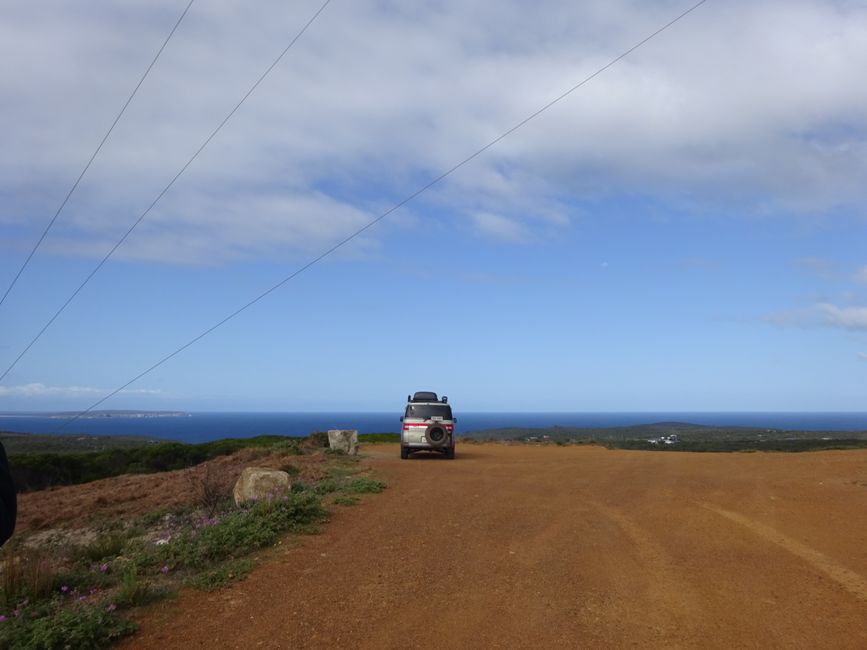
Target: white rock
x=257, y=483
x=345, y=440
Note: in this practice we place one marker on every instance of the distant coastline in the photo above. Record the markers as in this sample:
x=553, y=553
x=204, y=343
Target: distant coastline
x=194, y=427
x=90, y=415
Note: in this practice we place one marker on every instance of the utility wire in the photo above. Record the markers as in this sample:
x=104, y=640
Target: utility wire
x=93, y=156
x=382, y=216
x=164, y=190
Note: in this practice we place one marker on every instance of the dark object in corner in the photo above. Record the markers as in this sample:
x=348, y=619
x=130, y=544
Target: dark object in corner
x=8, y=500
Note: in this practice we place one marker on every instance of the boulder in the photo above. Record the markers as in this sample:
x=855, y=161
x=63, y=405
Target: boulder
x=257, y=483
x=345, y=440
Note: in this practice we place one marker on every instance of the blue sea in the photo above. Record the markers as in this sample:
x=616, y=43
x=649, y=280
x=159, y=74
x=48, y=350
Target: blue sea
x=202, y=427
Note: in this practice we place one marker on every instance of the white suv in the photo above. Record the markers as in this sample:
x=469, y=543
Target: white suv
x=427, y=424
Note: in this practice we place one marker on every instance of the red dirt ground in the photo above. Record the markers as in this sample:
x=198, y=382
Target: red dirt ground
x=534, y=547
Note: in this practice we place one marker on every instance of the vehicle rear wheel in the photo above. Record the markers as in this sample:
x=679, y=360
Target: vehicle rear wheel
x=404, y=452
x=450, y=453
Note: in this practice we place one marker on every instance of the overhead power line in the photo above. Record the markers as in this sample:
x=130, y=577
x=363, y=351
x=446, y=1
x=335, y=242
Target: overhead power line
x=95, y=153
x=164, y=190
x=382, y=216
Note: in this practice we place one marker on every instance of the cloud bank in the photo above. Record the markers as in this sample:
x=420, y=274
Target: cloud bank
x=748, y=106
x=38, y=390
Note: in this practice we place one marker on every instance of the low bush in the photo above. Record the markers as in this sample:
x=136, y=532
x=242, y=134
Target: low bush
x=318, y=439
x=104, y=546
x=363, y=485
x=237, y=533
x=39, y=471
x=378, y=437
x=211, y=488
x=57, y=625
x=290, y=469
x=221, y=575
x=135, y=590
x=791, y=445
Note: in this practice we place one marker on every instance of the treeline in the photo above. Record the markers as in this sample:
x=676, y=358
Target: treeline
x=740, y=445
x=37, y=471
x=40, y=471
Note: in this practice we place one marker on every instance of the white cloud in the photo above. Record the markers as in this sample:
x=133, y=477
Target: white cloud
x=850, y=318
x=818, y=266
x=822, y=315
x=500, y=227
x=38, y=390
x=860, y=275
x=378, y=98
x=794, y=318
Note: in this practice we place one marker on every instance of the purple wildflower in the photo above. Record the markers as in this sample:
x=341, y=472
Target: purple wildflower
x=111, y=608
x=64, y=589
x=164, y=569
x=103, y=567
x=2, y=618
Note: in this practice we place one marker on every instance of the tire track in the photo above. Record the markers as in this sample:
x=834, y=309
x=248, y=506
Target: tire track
x=679, y=596
x=851, y=581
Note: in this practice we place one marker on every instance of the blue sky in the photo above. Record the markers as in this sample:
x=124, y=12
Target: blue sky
x=685, y=232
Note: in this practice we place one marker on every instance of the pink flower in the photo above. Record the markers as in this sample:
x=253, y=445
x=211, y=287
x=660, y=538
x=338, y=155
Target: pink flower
x=2, y=618
x=164, y=569
x=64, y=589
x=103, y=567
x=111, y=608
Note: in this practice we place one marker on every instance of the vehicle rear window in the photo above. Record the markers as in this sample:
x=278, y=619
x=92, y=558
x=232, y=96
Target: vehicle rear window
x=427, y=411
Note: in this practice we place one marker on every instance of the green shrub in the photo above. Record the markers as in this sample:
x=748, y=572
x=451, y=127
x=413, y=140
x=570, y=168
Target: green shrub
x=105, y=546
x=346, y=500
x=378, y=437
x=222, y=575
x=255, y=526
x=300, y=487
x=318, y=439
x=290, y=469
x=53, y=626
x=364, y=485
x=327, y=486
x=39, y=471
x=135, y=591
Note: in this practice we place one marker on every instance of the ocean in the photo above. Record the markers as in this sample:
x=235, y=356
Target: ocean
x=202, y=427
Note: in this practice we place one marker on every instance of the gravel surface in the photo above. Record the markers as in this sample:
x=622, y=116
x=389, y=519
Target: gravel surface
x=545, y=546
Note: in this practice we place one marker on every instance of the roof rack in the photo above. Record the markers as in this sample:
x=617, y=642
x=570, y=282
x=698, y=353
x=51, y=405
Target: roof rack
x=424, y=396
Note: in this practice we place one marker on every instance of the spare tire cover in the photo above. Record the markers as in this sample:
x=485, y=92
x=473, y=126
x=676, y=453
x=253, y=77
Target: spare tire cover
x=436, y=434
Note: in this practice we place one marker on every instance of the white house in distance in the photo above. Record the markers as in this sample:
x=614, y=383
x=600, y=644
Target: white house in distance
x=664, y=440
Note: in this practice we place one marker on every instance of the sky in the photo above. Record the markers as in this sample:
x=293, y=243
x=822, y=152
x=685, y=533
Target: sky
x=684, y=232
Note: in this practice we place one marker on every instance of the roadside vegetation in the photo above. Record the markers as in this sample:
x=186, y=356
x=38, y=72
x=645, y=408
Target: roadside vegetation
x=42, y=443
x=59, y=591
x=794, y=445
x=689, y=437
x=37, y=471
x=378, y=437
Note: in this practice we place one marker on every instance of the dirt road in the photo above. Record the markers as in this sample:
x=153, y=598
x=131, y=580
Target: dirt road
x=536, y=547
